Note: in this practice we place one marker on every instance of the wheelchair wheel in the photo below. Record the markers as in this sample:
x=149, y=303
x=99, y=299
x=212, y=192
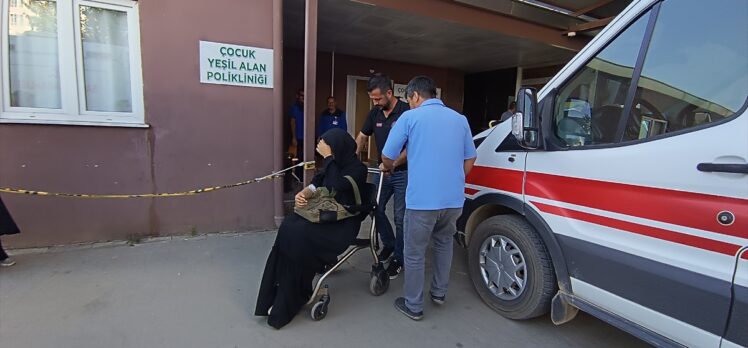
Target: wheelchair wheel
x=379, y=282
x=319, y=310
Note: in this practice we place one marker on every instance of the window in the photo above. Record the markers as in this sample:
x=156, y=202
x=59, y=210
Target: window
x=589, y=107
x=13, y=19
x=72, y=62
x=693, y=73
x=696, y=68
x=13, y=3
x=510, y=144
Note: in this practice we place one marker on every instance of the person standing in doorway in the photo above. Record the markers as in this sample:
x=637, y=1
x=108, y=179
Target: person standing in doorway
x=332, y=117
x=509, y=112
x=297, y=131
x=385, y=114
x=440, y=155
x=7, y=226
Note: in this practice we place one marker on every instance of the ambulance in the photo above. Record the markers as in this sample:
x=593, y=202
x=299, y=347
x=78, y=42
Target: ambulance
x=621, y=187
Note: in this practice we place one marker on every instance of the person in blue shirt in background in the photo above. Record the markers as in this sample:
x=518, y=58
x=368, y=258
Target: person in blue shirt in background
x=297, y=131
x=441, y=153
x=332, y=117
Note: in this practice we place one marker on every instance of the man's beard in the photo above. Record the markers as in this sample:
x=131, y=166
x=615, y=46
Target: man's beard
x=386, y=107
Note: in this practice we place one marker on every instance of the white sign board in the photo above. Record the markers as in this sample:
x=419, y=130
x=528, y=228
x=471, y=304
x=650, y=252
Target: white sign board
x=226, y=64
x=400, y=92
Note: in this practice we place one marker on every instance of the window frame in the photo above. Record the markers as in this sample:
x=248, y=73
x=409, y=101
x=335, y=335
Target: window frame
x=70, y=64
x=557, y=144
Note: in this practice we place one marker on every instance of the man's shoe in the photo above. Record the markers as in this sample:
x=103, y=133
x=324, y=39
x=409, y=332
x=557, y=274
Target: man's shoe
x=7, y=262
x=385, y=254
x=394, y=269
x=400, y=306
x=437, y=299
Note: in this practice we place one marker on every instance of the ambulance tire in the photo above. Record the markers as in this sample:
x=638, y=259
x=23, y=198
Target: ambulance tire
x=540, y=279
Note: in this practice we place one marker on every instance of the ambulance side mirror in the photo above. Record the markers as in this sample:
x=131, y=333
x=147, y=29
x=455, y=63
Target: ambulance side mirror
x=526, y=122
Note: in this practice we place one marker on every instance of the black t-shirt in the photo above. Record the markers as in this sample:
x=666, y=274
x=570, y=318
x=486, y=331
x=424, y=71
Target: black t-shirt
x=379, y=125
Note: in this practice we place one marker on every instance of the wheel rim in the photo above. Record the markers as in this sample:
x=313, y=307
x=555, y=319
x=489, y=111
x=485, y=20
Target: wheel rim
x=503, y=268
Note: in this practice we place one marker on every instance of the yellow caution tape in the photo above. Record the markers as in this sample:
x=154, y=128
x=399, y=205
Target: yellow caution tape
x=306, y=165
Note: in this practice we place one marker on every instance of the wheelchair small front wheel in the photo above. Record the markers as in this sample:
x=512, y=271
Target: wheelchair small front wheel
x=319, y=310
x=379, y=282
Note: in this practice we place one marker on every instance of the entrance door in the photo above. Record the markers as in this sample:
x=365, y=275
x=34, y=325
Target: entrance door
x=357, y=109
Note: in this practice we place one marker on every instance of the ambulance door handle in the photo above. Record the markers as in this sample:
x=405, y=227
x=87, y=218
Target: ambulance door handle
x=723, y=168
x=512, y=158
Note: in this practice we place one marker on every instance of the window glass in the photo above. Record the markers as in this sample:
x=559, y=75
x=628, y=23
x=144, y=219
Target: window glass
x=589, y=107
x=106, y=59
x=509, y=144
x=696, y=69
x=33, y=55
x=71, y=62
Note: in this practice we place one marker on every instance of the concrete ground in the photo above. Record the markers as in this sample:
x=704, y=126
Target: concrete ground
x=200, y=292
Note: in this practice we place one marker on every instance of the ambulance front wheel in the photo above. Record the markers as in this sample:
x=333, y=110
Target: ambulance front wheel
x=510, y=267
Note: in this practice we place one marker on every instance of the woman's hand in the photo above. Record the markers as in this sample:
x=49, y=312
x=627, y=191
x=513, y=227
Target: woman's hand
x=300, y=199
x=323, y=149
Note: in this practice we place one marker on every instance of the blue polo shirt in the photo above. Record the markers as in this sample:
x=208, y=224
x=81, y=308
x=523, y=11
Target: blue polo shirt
x=329, y=121
x=438, y=141
x=297, y=115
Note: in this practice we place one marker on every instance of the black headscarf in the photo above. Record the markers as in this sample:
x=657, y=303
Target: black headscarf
x=343, y=147
x=343, y=162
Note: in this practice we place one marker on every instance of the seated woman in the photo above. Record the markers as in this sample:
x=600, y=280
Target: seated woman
x=301, y=247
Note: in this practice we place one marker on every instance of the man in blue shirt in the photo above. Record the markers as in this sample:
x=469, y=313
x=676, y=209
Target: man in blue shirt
x=297, y=131
x=332, y=117
x=440, y=155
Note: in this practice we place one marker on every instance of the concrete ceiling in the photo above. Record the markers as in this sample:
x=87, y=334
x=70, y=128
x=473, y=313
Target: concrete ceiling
x=609, y=9
x=358, y=29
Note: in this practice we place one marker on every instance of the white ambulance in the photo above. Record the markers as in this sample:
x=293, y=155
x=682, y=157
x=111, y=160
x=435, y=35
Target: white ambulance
x=621, y=187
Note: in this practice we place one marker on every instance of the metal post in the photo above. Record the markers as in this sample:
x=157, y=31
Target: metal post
x=332, y=76
x=310, y=84
x=278, y=109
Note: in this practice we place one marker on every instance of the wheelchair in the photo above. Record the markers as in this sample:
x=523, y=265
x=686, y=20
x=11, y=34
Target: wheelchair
x=379, y=282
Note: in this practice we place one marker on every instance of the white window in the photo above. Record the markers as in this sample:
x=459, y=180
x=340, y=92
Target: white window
x=72, y=62
x=13, y=19
x=13, y=3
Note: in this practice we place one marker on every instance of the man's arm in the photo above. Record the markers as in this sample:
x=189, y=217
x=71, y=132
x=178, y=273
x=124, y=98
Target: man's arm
x=468, y=165
x=388, y=164
x=469, y=150
x=393, y=148
x=363, y=136
x=400, y=160
x=361, y=140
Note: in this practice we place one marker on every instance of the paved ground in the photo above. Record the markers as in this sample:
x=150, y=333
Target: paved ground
x=200, y=292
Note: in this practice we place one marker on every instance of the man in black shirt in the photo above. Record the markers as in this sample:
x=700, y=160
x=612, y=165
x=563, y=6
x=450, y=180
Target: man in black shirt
x=387, y=109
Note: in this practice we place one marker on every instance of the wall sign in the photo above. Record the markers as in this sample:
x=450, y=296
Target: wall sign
x=400, y=92
x=226, y=64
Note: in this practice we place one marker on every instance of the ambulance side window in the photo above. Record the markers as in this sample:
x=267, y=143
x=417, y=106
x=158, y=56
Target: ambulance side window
x=509, y=144
x=590, y=105
x=696, y=68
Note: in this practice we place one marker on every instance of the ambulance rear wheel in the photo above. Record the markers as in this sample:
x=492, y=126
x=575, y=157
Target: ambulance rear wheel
x=510, y=267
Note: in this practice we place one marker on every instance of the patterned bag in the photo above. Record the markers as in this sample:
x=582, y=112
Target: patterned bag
x=322, y=206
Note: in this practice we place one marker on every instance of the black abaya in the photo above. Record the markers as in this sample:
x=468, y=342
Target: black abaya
x=303, y=248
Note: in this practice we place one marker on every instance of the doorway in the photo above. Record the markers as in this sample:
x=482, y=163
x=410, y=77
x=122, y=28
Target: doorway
x=357, y=108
